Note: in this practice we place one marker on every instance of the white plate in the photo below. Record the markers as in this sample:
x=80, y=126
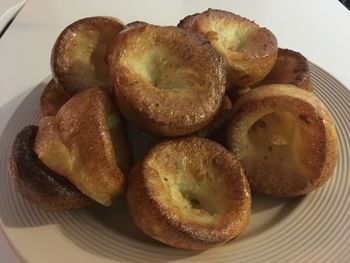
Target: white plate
x=314, y=228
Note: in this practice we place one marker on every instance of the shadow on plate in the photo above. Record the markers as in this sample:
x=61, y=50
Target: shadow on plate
x=268, y=212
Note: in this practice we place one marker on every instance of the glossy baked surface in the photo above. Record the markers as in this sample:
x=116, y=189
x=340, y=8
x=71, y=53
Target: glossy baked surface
x=78, y=56
x=167, y=81
x=52, y=99
x=286, y=139
x=189, y=193
x=85, y=142
x=249, y=51
x=291, y=67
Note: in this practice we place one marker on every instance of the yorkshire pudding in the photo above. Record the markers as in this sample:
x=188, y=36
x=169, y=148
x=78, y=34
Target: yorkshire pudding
x=52, y=98
x=78, y=56
x=285, y=138
x=37, y=183
x=249, y=51
x=85, y=142
x=189, y=193
x=291, y=67
x=167, y=81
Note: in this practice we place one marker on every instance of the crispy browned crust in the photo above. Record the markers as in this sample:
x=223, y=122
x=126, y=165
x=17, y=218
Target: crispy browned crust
x=77, y=58
x=315, y=154
x=52, y=98
x=37, y=183
x=81, y=144
x=136, y=23
x=246, y=64
x=291, y=67
x=220, y=120
x=156, y=213
x=171, y=109
x=188, y=21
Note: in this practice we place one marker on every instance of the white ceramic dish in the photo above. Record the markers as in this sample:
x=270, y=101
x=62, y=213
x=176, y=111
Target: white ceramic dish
x=314, y=228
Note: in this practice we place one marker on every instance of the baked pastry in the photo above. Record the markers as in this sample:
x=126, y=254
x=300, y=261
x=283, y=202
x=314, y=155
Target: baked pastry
x=85, y=142
x=285, y=138
x=220, y=119
x=189, y=193
x=167, y=81
x=78, y=56
x=52, y=98
x=291, y=67
x=249, y=51
x=36, y=182
x=136, y=23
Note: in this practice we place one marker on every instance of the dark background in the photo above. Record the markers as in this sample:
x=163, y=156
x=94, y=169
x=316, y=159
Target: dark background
x=345, y=3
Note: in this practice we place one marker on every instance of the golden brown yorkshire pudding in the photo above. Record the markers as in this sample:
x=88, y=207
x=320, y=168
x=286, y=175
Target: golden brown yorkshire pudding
x=85, y=142
x=52, y=99
x=290, y=68
x=37, y=183
x=189, y=193
x=78, y=56
x=285, y=138
x=249, y=51
x=167, y=81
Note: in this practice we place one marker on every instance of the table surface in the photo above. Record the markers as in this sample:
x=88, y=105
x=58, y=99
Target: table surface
x=317, y=29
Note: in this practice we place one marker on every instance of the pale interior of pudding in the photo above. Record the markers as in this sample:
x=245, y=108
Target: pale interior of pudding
x=162, y=70
x=198, y=194
x=275, y=139
x=232, y=36
x=88, y=61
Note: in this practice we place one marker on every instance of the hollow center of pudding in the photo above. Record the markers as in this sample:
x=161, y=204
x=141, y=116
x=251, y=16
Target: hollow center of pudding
x=196, y=193
x=275, y=138
x=163, y=70
x=98, y=61
x=89, y=58
x=195, y=201
x=234, y=36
